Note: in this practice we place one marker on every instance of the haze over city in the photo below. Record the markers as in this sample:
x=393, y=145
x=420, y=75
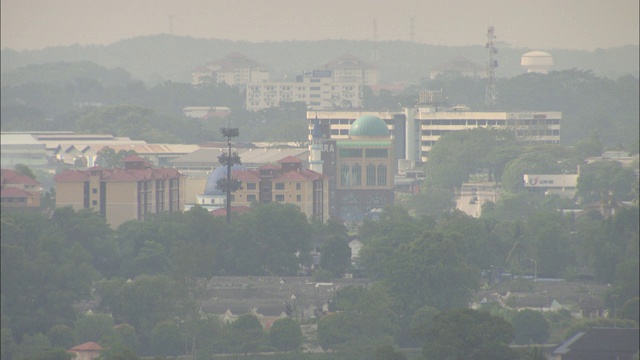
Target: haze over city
x=567, y=24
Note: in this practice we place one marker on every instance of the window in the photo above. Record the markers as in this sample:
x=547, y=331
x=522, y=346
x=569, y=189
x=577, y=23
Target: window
x=251, y=198
x=344, y=175
x=371, y=175
x=279, y=186
x=94, y=190
x=251, y=186
x=350, y=153
x=298, y=198
x=94, y=202
x=357, y=174
x=298, y=186
x=382, y=175
x=315, y=88
x=279, y=197
x=376, y=153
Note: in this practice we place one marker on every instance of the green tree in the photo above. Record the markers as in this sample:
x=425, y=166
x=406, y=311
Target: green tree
x=600, y=179
x=430, y=271
x=34, y=252
x=335, y=256
x=23, y=169
x=62, y=336
x=530, y=326
x=118, y=352
x=333, y=331
x=630, y=310
x=7, y=343
x=246, y=334
x=380, y=238
x=109, y=158
x=388, y=352
x=285, y=334
x=266, y=241
x=123, y=335
x=166, y=339
x=32, y=346
x=468, y=334
x=93, y=327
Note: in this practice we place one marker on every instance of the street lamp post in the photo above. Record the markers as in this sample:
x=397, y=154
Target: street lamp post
x=535, y=270
x=615, y=298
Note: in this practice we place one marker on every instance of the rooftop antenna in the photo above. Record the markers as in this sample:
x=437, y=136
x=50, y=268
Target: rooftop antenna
x=374, y=56
x=171, y=23
x=491, y=96
x=413, y=33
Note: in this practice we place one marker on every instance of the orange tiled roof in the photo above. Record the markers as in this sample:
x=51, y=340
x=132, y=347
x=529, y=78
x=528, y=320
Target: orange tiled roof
x=88, y=346
x=13, y=192
x=290, y=159
x=12, y=177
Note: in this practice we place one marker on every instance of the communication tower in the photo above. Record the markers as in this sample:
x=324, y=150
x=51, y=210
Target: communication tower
x=413, y=33
x=374, y=56
x=491, y=96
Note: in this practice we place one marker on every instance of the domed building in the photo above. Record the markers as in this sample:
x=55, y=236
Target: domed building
x=537, y=62
x=361, y=166
x=213, y=198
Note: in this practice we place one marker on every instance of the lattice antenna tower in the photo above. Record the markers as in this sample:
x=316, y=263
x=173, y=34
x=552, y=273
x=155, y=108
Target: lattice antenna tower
x=491, y=95
x=171, y=23
x=412, y=36
x=374, y=56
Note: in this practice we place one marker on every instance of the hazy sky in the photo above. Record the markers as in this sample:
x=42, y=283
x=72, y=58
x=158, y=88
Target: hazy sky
x=541, y=24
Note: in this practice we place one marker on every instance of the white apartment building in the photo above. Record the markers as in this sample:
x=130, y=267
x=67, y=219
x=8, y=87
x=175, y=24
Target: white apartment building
x=338, y=84
x=416, y=130
x=315, y=88
x=234, y=69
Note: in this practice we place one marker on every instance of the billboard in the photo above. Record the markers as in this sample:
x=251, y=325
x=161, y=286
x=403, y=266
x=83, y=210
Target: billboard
x=550, y=180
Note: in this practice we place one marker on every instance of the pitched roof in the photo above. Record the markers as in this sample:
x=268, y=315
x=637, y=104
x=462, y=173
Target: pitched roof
x=12, y=177
x=290, y=160
x=246, y=175
x=13, y=192
x=602, y=341
x=88, y=346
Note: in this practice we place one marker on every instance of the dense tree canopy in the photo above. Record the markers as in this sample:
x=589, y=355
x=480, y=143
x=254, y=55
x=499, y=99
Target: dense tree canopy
x=468, y=334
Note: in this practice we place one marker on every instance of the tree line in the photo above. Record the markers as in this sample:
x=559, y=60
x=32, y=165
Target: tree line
x=86, y=98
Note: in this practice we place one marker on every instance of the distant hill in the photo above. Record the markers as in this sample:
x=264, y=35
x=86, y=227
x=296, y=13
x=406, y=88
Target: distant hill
x=159, y=58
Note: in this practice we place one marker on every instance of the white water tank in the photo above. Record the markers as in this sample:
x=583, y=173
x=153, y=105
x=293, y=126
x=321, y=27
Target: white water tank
x=537, y=61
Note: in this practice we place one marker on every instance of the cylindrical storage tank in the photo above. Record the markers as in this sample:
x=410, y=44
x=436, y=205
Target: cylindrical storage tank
x=537, y=61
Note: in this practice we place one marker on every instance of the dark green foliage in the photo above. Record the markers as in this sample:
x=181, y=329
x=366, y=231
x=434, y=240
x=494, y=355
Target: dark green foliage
x=336, y=256
x=285, y=334
x=62, y=336
x=93, y=327
x=57, y=269
x=388, y=352
x=605, y=181
x=530, y=326
x=166, y=339
x=362, y=317
x=468, y=334
x=630, y=310
x=430, y=270
x=265, y=241
x=109, y=158
x=245, y=335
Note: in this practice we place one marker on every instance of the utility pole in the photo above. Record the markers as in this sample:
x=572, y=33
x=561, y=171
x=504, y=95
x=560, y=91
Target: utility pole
x=229, y=159
x=491, y=97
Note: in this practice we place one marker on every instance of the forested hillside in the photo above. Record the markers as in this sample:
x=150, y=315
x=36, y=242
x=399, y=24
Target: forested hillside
x=157, y=58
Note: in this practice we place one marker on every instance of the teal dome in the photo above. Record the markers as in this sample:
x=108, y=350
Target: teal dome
x=369, y=125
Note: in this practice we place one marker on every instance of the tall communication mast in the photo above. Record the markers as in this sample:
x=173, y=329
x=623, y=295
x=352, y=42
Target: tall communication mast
x=412, y=36
x=374, y=56
x=491, y=96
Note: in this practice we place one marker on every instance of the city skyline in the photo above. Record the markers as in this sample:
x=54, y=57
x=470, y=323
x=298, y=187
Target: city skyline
x=567, y=24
